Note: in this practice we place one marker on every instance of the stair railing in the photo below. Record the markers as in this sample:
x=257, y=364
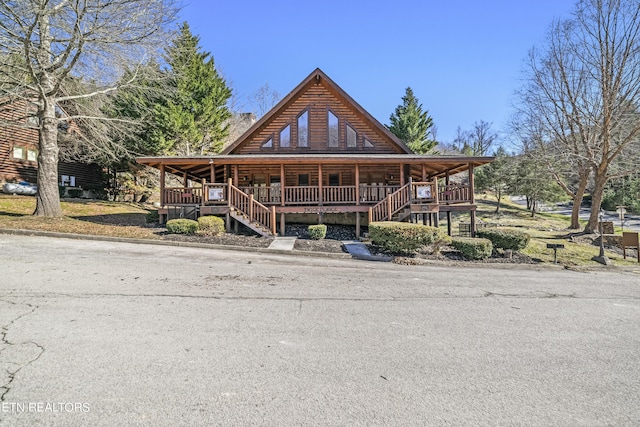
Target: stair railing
x=255, y=211
x=391, y=205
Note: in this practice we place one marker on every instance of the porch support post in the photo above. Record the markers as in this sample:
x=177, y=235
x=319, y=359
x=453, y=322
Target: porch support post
x=184, y=176
x=358, y=197
x=162, y=185
x=273, y=220
x=320, y=186
x=282, y=224
x=282, y=179
x=424, y=172
x=471, y=184
x=358, y=224
x=472, y=200
x=449, y=223
x=212, y=173
x=204, y=195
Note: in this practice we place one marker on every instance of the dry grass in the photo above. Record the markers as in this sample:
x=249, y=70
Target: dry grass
x=544, y=228
x=129, y=220
x=93, y=217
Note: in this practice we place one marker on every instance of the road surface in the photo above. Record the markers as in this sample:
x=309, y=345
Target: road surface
x=102, y=334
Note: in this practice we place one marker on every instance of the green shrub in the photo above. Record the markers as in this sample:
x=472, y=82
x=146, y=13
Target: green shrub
x=472, y=247
x=402, y=237
x=211, y=225
x=182, y=226
x=505, y=239
x=317, y=232
x=74, y=193
x=152, y=216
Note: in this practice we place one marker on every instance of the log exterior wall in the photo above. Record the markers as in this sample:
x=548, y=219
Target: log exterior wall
x=318, y=98
x=14, y=131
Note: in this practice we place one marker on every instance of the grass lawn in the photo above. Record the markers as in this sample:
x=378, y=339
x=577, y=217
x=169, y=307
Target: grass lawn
x=95, y=217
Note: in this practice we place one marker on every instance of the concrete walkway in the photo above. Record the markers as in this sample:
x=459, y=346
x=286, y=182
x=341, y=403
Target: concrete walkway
x=283, y=243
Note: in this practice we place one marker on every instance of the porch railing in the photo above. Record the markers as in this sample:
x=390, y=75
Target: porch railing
x=301, y=195
x=266, y=195
x=182, y=196
x=454, y=193
x=337, y=195
x=217, y=194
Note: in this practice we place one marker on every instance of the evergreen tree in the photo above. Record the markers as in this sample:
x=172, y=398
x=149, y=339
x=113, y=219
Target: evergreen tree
x=194, y=120
x=412, y=125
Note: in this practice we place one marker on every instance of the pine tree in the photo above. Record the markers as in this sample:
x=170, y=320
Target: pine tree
x=194, y=120
x=412, y=125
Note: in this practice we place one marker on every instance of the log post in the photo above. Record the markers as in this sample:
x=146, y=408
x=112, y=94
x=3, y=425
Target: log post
x=163, y=200
x=389, y=206
x=357, y=185
x=250, y=207
x=282, y=179
x=370, y=215
x=273, y=220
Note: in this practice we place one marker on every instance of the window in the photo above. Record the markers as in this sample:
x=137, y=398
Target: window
x=268, y=143
x=367, y=143
x=303, y=179
x=334, y=179
x=67, y=181
x=333, y=130
x=18, y=152
x=352, y=137
x=285, y=137
x=32, y=155
x=303, y=129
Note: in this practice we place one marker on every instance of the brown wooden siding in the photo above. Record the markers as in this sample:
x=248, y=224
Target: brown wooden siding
x=14, y=132
x=318, y=99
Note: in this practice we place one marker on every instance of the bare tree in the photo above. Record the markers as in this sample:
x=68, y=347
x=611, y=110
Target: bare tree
x=582, y=94
x=477, y=141
x=263, y=99
x=57, y=40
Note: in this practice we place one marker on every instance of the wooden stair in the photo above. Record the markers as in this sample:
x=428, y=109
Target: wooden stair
x=253, y=225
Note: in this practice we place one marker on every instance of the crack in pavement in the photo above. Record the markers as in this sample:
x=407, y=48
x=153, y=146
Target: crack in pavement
x=222, y=296
x=12, y=367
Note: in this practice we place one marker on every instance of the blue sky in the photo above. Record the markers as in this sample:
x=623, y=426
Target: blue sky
x=463, y=59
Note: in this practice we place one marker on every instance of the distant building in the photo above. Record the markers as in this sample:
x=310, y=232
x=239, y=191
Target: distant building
x=19, y=149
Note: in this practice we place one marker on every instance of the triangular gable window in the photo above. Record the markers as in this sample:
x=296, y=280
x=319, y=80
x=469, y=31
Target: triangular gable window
x=367, y=143
x=352, y=137
x=268, y=143
x=303, y=129
x=333, y=130
x=285, y=137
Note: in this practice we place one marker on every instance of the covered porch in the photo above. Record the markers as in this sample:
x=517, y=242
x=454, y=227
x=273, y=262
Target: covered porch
x=368, y=187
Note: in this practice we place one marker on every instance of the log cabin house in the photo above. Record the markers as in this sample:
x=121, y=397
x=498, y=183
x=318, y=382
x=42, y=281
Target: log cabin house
x=19, y=150
x=317, y=156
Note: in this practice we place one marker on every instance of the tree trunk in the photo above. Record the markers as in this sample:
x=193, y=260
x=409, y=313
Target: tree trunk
x=48, y=196
x=596, y=199
x=499, y=197
x=577, y=201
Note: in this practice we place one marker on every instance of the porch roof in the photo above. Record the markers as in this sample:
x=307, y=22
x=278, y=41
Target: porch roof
x=199, y=166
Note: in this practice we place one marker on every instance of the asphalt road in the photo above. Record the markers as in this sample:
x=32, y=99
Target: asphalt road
x=96, y=333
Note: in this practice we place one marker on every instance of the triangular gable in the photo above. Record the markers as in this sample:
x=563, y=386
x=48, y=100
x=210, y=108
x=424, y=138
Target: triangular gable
x=317, y=117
